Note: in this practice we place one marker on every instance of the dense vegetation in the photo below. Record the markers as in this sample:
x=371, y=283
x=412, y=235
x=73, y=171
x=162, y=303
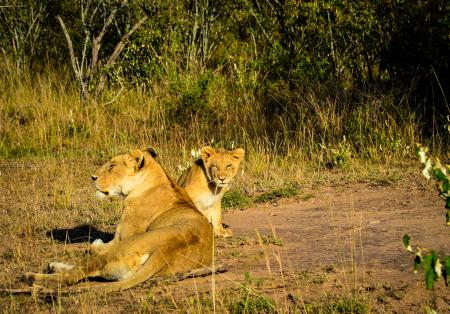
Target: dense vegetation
x=327, y=80
x=301, y=85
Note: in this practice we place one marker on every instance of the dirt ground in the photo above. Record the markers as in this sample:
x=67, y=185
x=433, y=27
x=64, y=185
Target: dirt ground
x=335, y=242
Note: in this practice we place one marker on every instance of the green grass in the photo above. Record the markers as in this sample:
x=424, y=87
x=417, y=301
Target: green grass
x=284, y=192
x=253, y=304
x=43, y=123
x=347, y=305
x=235, y=199
x=271, y=239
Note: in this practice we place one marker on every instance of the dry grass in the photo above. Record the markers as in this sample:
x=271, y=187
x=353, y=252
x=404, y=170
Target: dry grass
x=50, y=143
x=55, y=194
x=43, y=196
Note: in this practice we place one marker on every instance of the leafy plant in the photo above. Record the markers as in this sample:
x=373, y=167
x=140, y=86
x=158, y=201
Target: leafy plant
x=428, y=259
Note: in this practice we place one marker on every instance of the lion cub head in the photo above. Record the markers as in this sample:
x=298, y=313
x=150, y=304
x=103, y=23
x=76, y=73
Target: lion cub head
x=120, y=175
x=221, y=165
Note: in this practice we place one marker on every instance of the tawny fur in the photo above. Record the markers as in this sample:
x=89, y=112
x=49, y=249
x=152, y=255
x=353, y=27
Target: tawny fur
x=160, y=232
x=207, y=180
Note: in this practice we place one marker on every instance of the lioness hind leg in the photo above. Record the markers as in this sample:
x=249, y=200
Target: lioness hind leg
x=68, y=274
x=67, y=277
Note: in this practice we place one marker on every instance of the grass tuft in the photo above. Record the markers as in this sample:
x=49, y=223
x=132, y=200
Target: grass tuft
x=236, y=199
x=284, y=192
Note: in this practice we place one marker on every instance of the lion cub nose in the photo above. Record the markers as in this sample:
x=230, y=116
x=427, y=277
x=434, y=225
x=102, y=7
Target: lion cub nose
x=94, y=177
x=222, y=178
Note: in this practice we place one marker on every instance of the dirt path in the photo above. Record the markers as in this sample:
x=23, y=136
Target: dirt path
x=348, y=237
x=373, y=219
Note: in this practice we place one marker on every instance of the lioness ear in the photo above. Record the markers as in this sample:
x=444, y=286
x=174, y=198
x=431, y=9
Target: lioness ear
x=138, y=156
x=206, y=152
x=152, y=152
x=238, y=153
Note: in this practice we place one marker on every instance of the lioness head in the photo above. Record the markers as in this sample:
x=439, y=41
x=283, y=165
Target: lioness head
x=120, y=175
x=221, y=165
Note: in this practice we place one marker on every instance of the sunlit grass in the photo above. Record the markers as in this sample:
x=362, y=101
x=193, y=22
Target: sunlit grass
x=58, y=141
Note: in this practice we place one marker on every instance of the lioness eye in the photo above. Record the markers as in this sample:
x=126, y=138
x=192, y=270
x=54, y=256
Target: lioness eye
x=229, y=166
x=111, y=166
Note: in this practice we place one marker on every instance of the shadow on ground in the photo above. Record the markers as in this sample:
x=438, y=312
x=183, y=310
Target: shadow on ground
x=79, y=234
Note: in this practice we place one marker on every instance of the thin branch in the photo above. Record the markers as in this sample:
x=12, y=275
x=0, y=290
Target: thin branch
x=260, y=26
x=97, y=42
x=117, y=95
x=73, y=59
x=121, y=44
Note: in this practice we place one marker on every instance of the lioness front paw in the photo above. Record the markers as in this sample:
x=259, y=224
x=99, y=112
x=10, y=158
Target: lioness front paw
x=224, y=233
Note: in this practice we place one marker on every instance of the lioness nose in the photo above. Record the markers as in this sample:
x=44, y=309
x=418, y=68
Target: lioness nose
x=94, y=177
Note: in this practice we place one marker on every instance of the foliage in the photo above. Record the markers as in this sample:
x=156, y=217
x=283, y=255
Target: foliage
x=433, y=266
x=343, y=305
x=22, y=23
x=288, y=191
x=251, y=302
x=272, y=49
x=441, y=173
x=235, y=199
x=290, y=77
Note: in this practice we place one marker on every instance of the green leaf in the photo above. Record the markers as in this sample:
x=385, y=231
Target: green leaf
x=439, y=174
x=429, y=263
x=446, y=270
x=447, y=215
x=447, y=203
x=406, y=244
x=445, y=186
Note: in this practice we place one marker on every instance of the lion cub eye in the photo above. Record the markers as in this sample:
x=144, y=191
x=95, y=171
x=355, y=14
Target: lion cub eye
x=229, y=166
x=110, y=167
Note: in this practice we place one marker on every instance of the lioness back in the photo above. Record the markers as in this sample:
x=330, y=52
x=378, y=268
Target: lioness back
x=208, y=179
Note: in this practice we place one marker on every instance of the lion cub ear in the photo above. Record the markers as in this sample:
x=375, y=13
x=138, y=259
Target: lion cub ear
x=206, y=152
x=238, y=153
x=138, y=156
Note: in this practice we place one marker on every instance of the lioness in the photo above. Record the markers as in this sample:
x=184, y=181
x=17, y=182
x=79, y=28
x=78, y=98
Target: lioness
x=207, y=180
x=160, y=232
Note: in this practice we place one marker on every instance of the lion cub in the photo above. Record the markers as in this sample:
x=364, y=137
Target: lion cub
x=207, y=180
x=160, y=232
